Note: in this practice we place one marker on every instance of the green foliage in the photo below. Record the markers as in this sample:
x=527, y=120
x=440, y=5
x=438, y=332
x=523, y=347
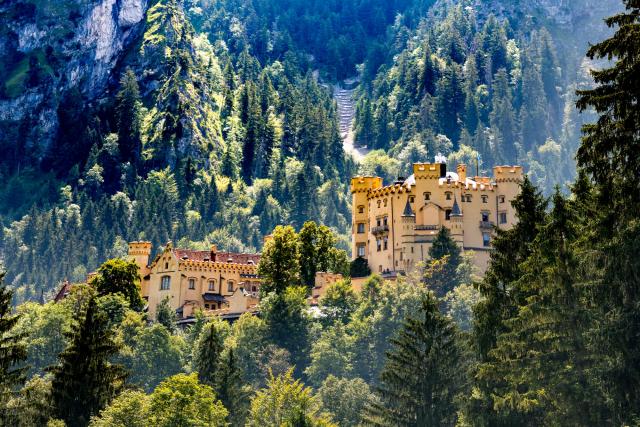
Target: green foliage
x=208, y=350
x=130, y=408
x=286, y=402
x=12, y=350
x=339, y=302
x=344, y=399
x=118, y=276
x=84, y=381
x=279, y=264
x=166, y=315
x=423, y=373
x=285, y=315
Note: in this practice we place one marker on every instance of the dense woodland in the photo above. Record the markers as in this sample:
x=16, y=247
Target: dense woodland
x=549, y=335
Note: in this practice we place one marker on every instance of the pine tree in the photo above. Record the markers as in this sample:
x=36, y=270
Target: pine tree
x=84, y=381
x=166, y=315
x=207, y=351
x=128, y=116
x=609, y=154
x=422, y=375
x=446, y=249
x=539, y=364
x=12, y=349
x=230, y=389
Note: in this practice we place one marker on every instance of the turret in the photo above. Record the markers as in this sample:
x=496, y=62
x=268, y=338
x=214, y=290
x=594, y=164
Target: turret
x=457, y=223
x=361, y=186
x=140, y=253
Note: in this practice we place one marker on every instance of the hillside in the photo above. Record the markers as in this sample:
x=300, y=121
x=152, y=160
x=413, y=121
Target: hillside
x=211, y=122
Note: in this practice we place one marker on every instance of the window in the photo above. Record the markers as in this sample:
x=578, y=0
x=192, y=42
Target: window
x=384, y=221
x=380, y=268
x=360, y=209
x=466, y=198
x=447, y=214
x=411, y=199
x=212, y=285
x=230, y=285
x=385, y=203
x=501, y=199
x=378, y=222
x=361, y=250
x=503, y=217
x=166, y=265
x=165, y=283
x=411, y=249
x=448, y=195
x=192, y=283
x=378, y=244
x=206, y=306
x=379, y=201
x=427, y=196
x=385, y=243
x=485, y=216
x=486, y=239
x=360, y=227
x=485, y=199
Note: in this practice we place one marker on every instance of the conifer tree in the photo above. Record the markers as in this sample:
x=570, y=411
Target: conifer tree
x=12, y=349
x=207, y=351
x=422, y=375
x=610, y=154
x=84, y=381
x=446, y=249
x=230, y=388
x=128, y=117
x=166, y=315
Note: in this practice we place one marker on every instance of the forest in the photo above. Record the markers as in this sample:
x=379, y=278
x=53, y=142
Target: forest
x=220, y=129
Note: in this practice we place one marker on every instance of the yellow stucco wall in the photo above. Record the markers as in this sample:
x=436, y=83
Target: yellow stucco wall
x=431, y=192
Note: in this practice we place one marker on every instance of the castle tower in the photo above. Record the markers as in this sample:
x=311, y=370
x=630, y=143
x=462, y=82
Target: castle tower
x=360, y=188
x=507, y=179
x=140, y=253
x=408, y=229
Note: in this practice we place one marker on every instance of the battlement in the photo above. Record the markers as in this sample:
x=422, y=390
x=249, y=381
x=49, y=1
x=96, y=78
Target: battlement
x=139, y=248
x=430, y=170
x=508, y=173
x=365, y=183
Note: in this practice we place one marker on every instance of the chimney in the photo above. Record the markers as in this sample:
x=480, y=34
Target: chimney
x=462, y=172
x=214, y=250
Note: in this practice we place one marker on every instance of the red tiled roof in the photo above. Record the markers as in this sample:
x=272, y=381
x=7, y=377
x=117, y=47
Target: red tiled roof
x=236, y=258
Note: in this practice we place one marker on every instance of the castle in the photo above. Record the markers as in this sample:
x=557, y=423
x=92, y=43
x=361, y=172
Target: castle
x=222, y=283
x=393, y=226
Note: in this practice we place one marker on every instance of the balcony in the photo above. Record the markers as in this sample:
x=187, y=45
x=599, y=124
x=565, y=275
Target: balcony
x=380, y=229
x=487, y=225
x=426, y=227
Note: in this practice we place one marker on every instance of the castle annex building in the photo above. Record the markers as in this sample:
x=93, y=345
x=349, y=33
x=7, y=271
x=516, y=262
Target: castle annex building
x=224, y=283
x=393, y=226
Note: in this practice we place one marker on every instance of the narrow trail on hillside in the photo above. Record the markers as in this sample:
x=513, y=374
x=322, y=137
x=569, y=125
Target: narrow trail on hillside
x=346, y=115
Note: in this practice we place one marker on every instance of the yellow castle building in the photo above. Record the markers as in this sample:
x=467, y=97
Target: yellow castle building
x=222, y=283
x=393, y=226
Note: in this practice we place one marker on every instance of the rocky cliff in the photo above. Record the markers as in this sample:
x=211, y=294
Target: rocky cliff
x=51, y=47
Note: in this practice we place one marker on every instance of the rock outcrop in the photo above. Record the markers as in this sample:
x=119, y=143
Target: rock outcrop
x=49, y=48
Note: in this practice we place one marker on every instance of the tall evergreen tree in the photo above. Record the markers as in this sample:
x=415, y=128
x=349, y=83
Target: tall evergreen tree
x=12, y=350
x=207, y=353
x=84, y=381
x=230, y=388
x=610, y=154
x=128, y=116
x=422, y=375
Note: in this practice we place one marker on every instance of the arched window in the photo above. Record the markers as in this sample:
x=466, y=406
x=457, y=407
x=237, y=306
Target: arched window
x=165, y=283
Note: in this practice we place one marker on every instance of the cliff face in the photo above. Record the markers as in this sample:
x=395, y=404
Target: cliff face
x=50, y=47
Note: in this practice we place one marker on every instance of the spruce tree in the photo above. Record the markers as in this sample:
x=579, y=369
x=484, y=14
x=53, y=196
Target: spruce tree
x=207, y=351
x=230, y=388
x=84, y=381
x=423, y=373
x=538, y=367
x=128, y=117
x=610, y=154
x=12, y=349
x=444, y=249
